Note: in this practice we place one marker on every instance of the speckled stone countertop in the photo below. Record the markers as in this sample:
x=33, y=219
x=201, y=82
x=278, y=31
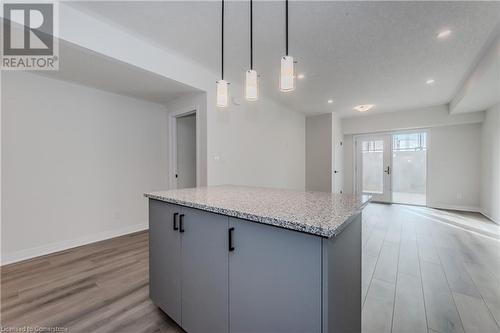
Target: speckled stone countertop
x=318, y=213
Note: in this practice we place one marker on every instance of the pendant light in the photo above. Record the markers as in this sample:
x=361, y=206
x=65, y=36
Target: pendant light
x=287, y=75
x=222, y=85
x=251, y=85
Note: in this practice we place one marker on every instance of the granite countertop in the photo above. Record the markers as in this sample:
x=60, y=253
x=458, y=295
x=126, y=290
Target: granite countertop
x=317, y=213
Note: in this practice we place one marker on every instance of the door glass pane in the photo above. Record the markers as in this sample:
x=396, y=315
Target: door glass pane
x=372, y=154
x=409, y=168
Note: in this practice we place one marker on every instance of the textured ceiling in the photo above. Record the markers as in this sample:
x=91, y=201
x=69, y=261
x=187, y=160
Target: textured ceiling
x=354, y=52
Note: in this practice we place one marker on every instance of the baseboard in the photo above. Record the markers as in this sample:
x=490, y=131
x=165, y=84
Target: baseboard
x=454, y=207
x=489, y=217
x=9, y=258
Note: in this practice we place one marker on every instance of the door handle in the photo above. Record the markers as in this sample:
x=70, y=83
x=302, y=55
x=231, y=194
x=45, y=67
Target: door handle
x=230, y=235
x=175, y=221
x=388, y=170
x=181, y=223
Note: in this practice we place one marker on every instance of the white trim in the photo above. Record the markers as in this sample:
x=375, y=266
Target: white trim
x=454, y=207
x=173, y=143
x=385, y=197
x=427, y=156
x=356, y=170
x=488, y=216
x=9, y=258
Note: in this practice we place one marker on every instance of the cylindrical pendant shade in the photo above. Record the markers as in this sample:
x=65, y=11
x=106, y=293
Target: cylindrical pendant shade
x=222, y=93
x=287, y=77
x=251, y=86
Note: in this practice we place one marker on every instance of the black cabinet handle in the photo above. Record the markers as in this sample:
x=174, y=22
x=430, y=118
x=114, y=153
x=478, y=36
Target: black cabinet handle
x=175, y=221
x=230, y=235
x=181, y=223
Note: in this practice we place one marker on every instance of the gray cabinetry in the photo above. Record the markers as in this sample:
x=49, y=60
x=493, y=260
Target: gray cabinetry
x=204, y=272
x=165, y=258
x=188, y=266
x=214, y=273
x=274, y=280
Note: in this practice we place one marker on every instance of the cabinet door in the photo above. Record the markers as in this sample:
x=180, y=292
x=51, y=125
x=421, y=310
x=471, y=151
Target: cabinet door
x=164, y=258
x=274, y=280
x=204, y=272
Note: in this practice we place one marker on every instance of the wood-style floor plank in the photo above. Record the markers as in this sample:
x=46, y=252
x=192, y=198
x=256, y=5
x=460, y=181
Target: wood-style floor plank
x=387, y=265
x=419, y=274
x=408, y=258
x=442, y=314
x=409, y=309
x=98, y=287
x=456, y=274
x=378, y=308
x=475, y=315
x=368, y=267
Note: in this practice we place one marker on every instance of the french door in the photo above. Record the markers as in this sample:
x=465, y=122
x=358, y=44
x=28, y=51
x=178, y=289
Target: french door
x=374, y=166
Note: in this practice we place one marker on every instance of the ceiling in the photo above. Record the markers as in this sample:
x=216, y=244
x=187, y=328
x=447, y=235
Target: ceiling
x=353, y=52
x=92, y=69
x=481, y=90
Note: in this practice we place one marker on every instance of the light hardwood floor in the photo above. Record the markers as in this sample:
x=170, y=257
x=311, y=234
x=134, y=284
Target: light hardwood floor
x=420, y=274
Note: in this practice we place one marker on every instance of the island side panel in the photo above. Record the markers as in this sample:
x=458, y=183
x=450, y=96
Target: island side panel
x=165, y=258
x=342, y=280
x=274, y=279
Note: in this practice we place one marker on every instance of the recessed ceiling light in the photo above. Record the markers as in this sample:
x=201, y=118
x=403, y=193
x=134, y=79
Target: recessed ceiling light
x=330, y=101
x=300, y=76
x=363, y=107
x=430, y=81
x=444, y=34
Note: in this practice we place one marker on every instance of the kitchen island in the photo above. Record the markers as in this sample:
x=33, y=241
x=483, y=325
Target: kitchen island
x=246, y=259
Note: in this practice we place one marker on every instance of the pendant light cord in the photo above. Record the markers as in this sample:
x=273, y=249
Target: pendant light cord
x=286, y=24
x=251, y=34
x=222, y=41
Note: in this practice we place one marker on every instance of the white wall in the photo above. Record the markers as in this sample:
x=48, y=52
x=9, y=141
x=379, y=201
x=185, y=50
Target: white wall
x=75, y=162
x=454, y=160
x=434, y=116
x=261, y=144
x=454, y=164
x=481, y=89
x=319, y=152
x=257, y=144
x=324, y=153
x=490, y=170
x=349, y=164
x=253, y=144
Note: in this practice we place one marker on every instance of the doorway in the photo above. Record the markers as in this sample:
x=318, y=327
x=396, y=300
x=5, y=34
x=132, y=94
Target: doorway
x=185, y=150
x=374, y=167
x=392, y=167
x=409, y=158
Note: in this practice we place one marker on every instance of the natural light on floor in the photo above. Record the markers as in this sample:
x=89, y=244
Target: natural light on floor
x=409, y=160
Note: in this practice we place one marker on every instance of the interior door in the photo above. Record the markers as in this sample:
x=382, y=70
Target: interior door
x=374, y=167
x=186, y=151
x=204, y=243
x=165, y=258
